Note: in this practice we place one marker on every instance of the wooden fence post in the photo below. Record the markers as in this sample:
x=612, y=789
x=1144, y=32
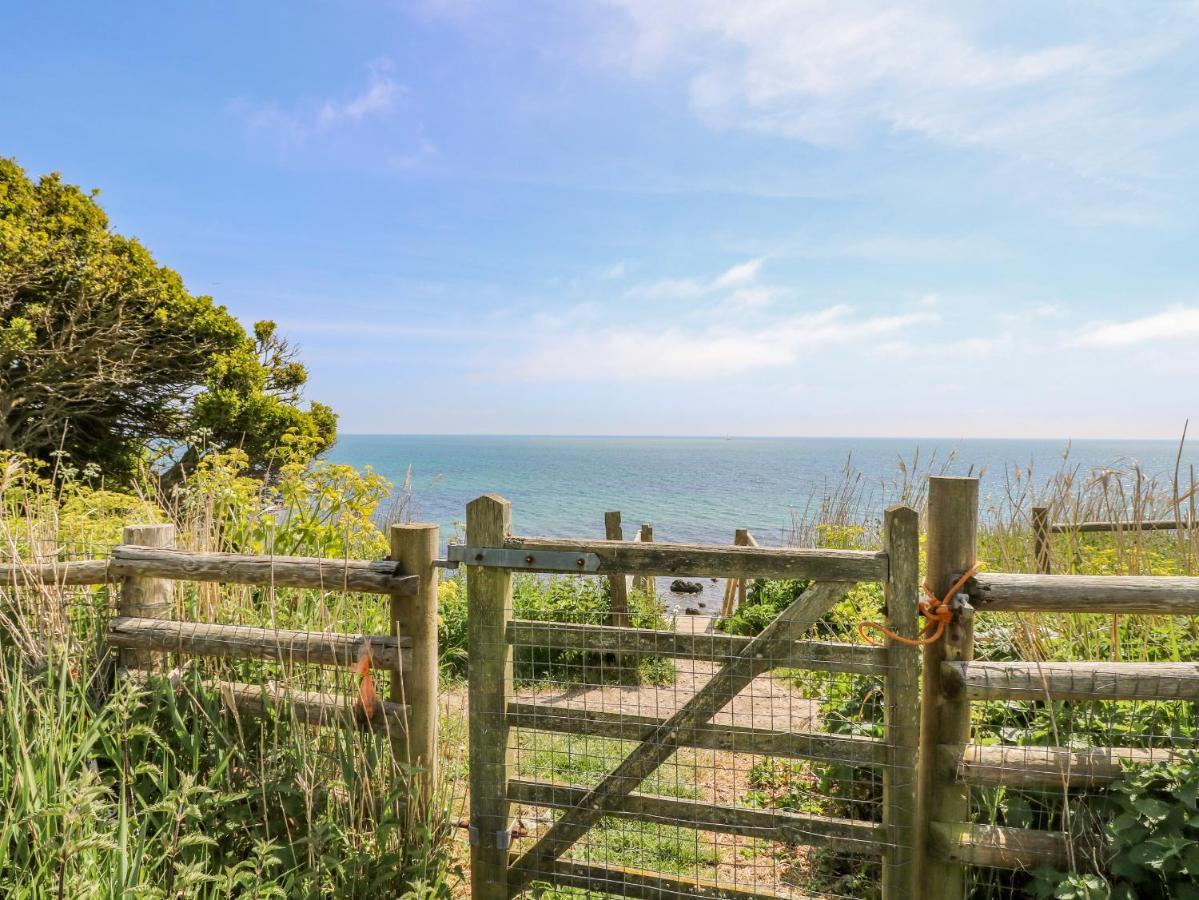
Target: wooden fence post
x=645, y=583
x=414, y=548
x=901, y=539
x=1040, y=539
x=945, y=720
x=617, y=584
x=489, y=670
x=146, y=598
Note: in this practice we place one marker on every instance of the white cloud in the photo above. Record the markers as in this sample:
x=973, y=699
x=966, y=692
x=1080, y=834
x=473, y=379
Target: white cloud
x=710, y=352
x=826, y=71
x=379, y=97
x=741, y=275
x=1174, y=324
x=308, y=119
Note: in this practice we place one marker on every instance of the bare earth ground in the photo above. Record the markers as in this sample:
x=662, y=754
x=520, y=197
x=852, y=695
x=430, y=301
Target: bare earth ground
x=713, y=776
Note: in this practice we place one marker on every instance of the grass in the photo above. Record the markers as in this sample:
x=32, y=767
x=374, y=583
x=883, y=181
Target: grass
x=158, y=790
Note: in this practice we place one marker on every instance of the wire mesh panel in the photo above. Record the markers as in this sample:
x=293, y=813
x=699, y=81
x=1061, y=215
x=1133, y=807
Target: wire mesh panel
x=680, y=756
x=1057, y=742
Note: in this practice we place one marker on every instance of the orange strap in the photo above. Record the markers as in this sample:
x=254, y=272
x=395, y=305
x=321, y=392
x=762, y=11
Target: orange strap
x=938, y=612
x=366, y=686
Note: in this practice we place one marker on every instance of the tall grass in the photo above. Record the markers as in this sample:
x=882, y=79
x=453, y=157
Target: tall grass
x=155, y=786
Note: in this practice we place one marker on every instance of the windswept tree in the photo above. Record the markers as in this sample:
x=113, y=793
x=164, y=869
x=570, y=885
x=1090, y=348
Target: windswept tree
x=105, y=355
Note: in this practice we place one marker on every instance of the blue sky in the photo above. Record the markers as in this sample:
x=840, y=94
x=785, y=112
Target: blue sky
x=659, y=217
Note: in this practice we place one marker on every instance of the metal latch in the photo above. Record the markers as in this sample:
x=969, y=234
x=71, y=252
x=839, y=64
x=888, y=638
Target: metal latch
x=503, y=839
x=529, y=560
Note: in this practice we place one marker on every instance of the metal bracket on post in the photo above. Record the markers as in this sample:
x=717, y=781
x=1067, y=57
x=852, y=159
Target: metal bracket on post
x=503, y=839
x=528, y=560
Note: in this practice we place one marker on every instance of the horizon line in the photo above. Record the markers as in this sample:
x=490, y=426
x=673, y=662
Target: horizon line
x=724, y=437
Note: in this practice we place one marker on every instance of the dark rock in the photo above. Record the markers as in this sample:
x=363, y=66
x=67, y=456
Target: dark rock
x=679, y=586
x=691, y=611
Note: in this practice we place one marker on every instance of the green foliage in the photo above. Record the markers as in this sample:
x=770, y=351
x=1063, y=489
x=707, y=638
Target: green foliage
x=570, y=599
x=105, y=355
x=763, y=602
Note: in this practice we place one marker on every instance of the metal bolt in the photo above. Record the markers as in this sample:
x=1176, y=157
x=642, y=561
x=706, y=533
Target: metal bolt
x=529, y=560
x=580, y=562
x=478, y=557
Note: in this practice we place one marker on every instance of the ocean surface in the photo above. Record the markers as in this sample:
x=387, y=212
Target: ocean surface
x=699, y=489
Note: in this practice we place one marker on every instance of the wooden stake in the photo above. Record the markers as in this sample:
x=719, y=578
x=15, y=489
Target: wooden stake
x=617, y=585
x=489, y=670
x=1040, y=539
x=901, y=538
x=414, y=548
x=951, y=549
x=146, y=598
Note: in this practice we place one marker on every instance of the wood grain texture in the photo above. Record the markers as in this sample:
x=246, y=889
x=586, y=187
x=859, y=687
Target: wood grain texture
x=1113, y=594
x=826, y=656
x=414, y=548
x=1051, y=768
x=1099, y=527
x=817, y=746
x=618, y=586
x=847, y=835
x=638, y=883
x=901, y=692
x=312, y=707
x=489, y=673
x=142, y=596
x=714, y=561
x=951, y=549
x=72, y=573
x=998, y=847
x=1071, y=680
x=654, y=749
x=280, y=571
x=314, y=648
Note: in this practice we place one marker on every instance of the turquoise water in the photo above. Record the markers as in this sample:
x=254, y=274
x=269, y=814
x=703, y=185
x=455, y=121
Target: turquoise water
x=692, y=489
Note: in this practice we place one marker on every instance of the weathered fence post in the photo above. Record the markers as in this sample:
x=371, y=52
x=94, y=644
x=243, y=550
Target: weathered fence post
x=146, y=598
x=945, y=720
x=617, y=584
x=489, y=607
x=645, y=583
x=901, y=539
x=1040, y=539
x=414, y=549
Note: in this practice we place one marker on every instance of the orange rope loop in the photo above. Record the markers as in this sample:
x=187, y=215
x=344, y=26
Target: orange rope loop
x=937, y=611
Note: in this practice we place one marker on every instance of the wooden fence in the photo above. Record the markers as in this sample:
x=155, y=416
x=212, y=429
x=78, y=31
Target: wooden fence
x=146, y=566
x=1043, y=528
x=929, y=763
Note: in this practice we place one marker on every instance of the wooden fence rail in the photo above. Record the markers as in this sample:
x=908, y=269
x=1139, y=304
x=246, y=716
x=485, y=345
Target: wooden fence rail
x=1042, y=528
x=146, y=565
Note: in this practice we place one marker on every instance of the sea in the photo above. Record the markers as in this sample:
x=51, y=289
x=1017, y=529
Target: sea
x=700, y=489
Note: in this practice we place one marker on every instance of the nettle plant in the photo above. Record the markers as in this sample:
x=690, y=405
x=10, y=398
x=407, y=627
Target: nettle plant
x=1151, y=832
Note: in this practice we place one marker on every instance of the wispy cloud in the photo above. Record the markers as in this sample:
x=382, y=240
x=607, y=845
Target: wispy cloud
x=827, y=72
x=739, y=276
x=309, y=119
x=1174, y=324
x=711, y=351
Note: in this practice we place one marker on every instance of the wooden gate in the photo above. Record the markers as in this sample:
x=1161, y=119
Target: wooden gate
x=505, y=862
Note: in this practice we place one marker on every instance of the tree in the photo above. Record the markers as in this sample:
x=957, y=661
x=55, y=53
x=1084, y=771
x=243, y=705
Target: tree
x=105, y=355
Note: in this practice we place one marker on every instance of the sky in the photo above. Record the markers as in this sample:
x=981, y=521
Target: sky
x=763, y=217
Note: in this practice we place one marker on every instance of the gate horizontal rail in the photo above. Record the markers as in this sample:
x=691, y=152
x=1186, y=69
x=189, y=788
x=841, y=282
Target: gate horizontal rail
x=826, y=656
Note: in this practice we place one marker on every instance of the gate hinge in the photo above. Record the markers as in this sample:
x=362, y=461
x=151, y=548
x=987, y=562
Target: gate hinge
x=528, y=560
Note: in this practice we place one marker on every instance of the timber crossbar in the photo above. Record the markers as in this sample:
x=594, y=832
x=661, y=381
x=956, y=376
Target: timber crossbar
x=127, y=561
x=704, y=560
x=1120, y=594
x=315, y=648
x=825, y=656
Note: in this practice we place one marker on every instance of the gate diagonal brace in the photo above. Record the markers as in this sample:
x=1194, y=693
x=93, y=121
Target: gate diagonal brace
x=528, y=560
x=760, y=655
